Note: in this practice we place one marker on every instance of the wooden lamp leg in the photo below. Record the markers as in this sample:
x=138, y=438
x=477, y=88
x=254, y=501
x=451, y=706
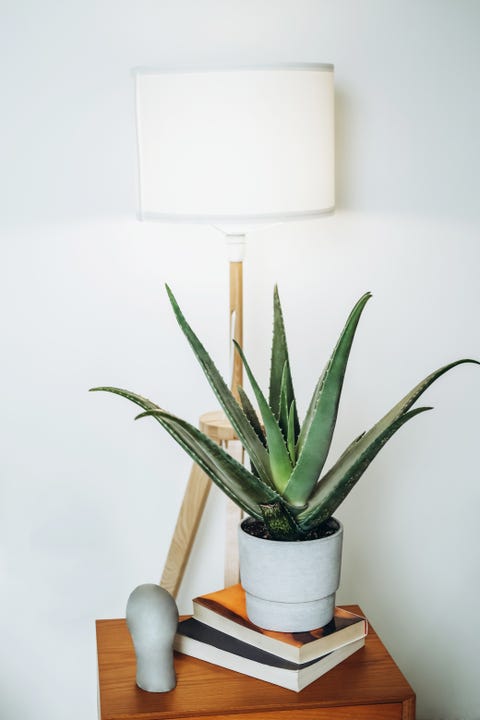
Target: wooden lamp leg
x=236, y=324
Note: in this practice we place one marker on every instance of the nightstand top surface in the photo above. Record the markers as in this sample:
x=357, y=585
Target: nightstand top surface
x=368, y=678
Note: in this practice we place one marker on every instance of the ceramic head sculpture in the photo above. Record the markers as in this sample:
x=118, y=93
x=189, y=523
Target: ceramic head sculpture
x=152, y=619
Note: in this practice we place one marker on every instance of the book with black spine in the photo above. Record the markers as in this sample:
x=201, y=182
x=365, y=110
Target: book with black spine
x=206, y=643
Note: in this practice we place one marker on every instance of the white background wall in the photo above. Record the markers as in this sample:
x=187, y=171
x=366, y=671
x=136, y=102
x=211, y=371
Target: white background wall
x=88, y=499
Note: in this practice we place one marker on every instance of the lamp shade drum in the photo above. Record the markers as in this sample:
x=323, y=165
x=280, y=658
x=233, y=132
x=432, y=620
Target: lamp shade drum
x=237, y=145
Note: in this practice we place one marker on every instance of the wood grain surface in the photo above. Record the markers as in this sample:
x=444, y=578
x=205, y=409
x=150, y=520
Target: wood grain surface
x=367, y=686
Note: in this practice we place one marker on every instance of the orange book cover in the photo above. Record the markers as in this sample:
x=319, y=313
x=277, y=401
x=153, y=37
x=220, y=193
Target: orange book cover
x=225, y=610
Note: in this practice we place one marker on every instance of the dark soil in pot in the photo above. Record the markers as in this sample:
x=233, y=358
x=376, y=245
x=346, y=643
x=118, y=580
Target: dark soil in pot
x=256, y=528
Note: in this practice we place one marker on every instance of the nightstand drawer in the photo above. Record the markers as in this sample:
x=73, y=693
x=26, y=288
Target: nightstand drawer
x=357, y=712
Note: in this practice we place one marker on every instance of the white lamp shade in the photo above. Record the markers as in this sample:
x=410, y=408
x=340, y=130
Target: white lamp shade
x=247, y=145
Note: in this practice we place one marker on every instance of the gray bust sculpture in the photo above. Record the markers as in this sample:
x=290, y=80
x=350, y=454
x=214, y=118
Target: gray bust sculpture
x=152, y=619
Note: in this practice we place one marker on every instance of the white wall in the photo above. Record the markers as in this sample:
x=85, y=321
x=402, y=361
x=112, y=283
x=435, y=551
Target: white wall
x=88, y=499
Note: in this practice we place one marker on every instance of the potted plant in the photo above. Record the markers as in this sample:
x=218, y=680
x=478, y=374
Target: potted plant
x=290, y=544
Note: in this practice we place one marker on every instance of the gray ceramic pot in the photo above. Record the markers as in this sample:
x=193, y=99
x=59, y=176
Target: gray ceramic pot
x=290, y=586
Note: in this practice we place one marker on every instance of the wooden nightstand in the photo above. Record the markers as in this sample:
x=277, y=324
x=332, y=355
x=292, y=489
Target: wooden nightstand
x=367, y=686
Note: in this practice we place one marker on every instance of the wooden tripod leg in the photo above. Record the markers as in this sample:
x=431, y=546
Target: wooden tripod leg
x=186, y=528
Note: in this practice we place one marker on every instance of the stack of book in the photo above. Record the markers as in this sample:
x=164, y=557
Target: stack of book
x=220, y=632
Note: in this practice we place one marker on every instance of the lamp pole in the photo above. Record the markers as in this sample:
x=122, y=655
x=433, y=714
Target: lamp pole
x=236, y=254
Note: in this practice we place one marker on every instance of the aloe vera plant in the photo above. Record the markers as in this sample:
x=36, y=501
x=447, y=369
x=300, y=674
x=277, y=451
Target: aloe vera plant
x=284, y=488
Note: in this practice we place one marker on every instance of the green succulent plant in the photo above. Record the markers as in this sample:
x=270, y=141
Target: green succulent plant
x=284, y=488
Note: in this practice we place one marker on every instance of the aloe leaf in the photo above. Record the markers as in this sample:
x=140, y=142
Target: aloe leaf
x=284, y=404
x=310, y=412
x=254, y=448
x=246, y=490
x=277, y=449
x=340, y=479
x=316, y=433
x=347, y=335
x=142, y=402
x=279, y=360
x=291, y=433
x=251, y=415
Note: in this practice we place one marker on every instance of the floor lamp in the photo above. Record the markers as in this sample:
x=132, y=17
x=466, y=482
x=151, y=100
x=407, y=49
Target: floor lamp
x=233, y=148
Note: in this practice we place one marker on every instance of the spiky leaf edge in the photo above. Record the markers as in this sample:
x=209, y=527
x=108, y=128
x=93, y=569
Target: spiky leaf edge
x=317, y=429
x=279, y=362
x=277, y=449
x=341, y=478
x=244, y=488
x=333, y=490
x=251, y=415
x=211, y=458
x=254, y=448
